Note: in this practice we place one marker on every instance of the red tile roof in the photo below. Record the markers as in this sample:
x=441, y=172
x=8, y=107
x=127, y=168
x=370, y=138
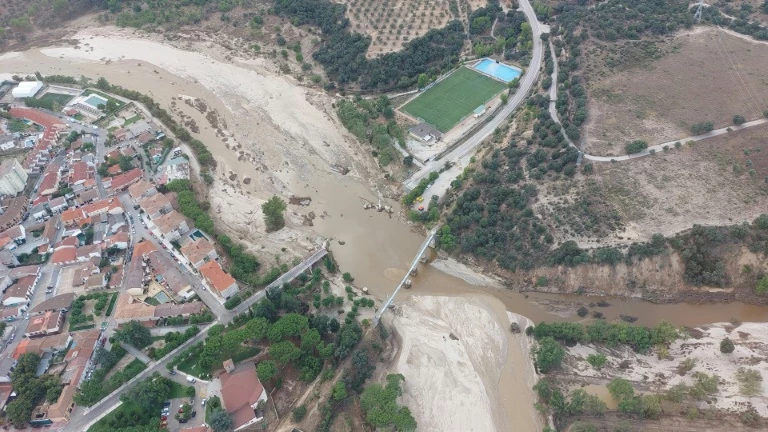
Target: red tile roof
x=47, y=121
x=214, y=274
x=239, y=391
x=64, y=254
x=126, y=179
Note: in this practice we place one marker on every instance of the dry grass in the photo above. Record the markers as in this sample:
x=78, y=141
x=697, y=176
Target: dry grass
x=713, y=182
x=703, y=75
x=392, y=23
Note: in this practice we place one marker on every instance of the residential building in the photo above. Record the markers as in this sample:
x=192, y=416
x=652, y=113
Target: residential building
x=13, y=211
x=141, y=189
x=57, y=205
x=118, y=240
x=171, y=225
x=171, y=309
x=17, y=233
x=64, y=255
x=40, y=345
x=13, y=177
x=46, y=324
x=50, y=183
x=241, y=392
x=121, y=182
x=78, y=359
x=199, y=251
x=21, y=290
x=55, y=303
x=217, y=280
x=175, y=169
x=156, y=205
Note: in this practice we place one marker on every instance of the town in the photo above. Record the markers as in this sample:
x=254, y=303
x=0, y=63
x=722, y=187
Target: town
x=105, y=281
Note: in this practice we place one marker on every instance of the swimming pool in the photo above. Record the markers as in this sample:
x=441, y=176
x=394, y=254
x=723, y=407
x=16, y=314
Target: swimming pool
x=162, y=297
x=500, y=71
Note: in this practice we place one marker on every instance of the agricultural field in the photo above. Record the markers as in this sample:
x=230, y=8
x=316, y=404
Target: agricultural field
x=392, y=23
x=453, y=98
x=700, y=75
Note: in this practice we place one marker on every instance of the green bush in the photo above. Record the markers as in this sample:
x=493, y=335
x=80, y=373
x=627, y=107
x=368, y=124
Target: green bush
x=549, y=355
x=636, y=146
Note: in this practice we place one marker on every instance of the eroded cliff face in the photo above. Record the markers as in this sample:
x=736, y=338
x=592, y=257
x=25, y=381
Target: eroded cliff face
x=658, y=279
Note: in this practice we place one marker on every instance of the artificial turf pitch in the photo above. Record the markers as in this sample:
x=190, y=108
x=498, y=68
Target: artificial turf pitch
x=447, y=102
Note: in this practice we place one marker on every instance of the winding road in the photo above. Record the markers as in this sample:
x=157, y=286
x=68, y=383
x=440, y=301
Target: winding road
x=650, y=150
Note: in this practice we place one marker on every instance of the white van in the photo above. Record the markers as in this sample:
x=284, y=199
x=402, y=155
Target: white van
x=190, y=379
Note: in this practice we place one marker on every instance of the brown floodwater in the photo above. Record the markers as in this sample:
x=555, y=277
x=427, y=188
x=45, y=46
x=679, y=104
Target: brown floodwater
x=378, y=248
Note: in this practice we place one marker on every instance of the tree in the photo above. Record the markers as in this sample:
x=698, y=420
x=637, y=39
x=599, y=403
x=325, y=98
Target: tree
x=739, y=120
x=220, y=421
x=621, y=389
x=266, y=370
x=549, y=354
x=284, y=352
x=111, y=105
x=103, y=170
x=273, y=213
x=290, y=325
x=379, y=404
x=149, y=393
x=135, y=334
x=190, y=392
x=257, y=329
x=422, y=81
x=347, y=277
x=125, y=162
x=726, y=346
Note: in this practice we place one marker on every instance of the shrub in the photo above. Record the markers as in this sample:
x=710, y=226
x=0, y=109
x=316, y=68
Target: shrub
x=739, y=120
x=299, y=412
x=702, y=127
x=750, y=382
x=636, y=146
x=582, y=311
x=726, y=346
x=762, y=286
x=597, y=360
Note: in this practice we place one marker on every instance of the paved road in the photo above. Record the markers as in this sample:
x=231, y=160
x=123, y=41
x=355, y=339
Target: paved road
x=462, y=154
x=285, y=278
x=83, y=418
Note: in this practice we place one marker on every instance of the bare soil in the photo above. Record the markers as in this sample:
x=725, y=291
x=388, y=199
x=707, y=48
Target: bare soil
x=702, y=75
x=718, y=181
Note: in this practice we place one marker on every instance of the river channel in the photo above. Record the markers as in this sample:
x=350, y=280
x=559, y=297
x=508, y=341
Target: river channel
x=377, y=248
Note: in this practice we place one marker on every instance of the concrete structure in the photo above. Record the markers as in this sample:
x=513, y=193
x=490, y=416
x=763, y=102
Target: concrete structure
x=27, y=89
x=241, y=392
x=425, y=133
x=13, y=177
x=175, y=169
x=217, y=280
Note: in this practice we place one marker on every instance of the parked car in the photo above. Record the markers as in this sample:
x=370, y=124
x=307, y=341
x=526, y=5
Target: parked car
x=172, y=372
x=190, y=379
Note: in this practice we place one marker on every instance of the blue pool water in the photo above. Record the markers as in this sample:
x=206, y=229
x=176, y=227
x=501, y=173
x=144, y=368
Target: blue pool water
x=499, y=71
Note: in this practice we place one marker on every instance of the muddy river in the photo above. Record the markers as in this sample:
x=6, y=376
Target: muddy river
x=377, y=248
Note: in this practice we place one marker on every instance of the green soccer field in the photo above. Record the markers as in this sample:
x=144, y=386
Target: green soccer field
x=453, y=98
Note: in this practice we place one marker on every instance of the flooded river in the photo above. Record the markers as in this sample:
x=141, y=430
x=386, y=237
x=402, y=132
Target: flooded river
x=377, y=248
